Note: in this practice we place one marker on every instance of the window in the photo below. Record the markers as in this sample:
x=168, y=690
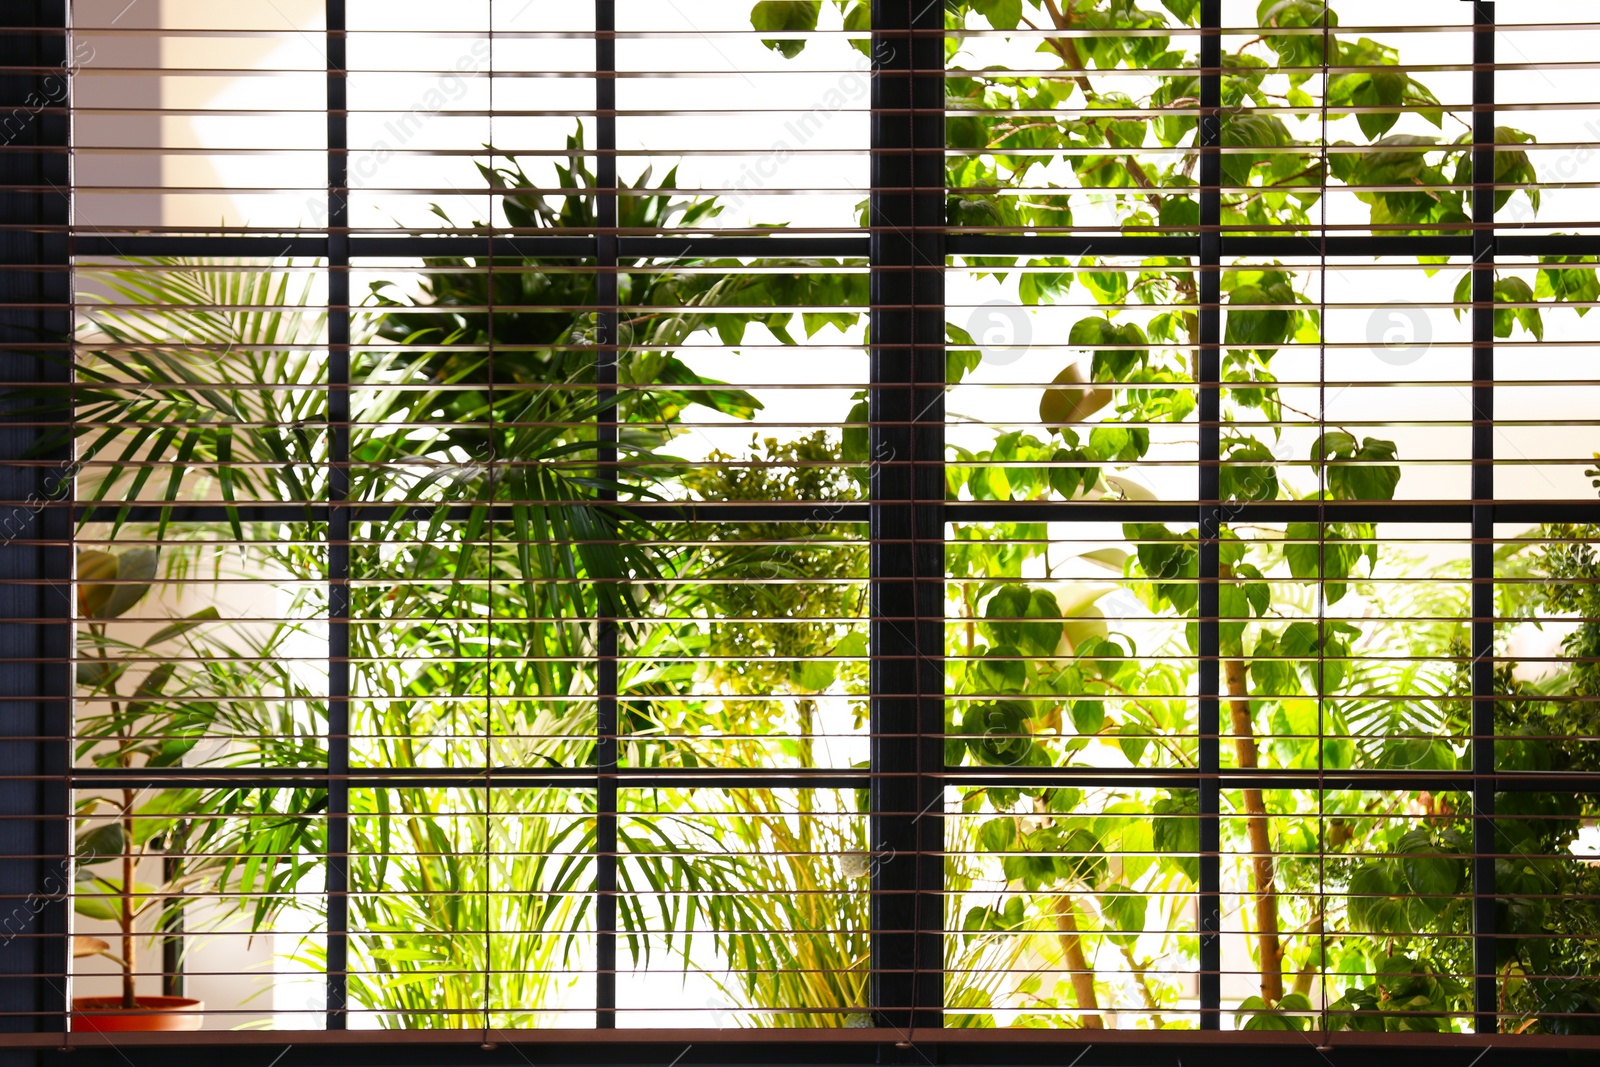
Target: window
x=985, y=522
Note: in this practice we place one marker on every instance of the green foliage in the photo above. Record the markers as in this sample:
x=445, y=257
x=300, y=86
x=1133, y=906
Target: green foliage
x=148, y=700
x=1571, y=571
x=1257, y=1014
x=1517, y=293
x=779, y=16
x=1110, y=364
x=1305, y=676
x=1013, y=603
x=996, y=732
x=180, y=328
x=735, y=641
x=1262, y=314
x=1357, y=471
x=1329, y=553
x=1577, y=285
x=1408, y=997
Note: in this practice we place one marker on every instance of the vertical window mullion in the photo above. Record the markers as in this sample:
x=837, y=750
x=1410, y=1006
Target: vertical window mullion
x=1485, y=1000
x=605, y=167
x=36, y=558
x=338, y=835
x=906, y=440
x=1209, y=414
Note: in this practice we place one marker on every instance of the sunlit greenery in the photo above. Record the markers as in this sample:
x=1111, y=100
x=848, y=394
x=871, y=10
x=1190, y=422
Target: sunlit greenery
x=475, y=629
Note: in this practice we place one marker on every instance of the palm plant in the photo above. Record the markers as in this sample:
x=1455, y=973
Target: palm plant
x=518, y=427
x=194, y=382
x=468, y=905
x=201, y=381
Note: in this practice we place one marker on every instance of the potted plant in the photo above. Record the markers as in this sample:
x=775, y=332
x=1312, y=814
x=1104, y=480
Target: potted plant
x=150, y=704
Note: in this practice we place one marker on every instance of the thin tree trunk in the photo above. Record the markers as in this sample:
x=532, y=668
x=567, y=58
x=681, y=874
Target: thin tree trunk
x=129, y=998
x=805, y=710
x=1266, y=889
x=1139, y=970
x=1082, y=973
x=1308, y=973
x=971, y=610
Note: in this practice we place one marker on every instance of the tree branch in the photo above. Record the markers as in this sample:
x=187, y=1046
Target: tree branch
x=125, y=915
x=1235, y=673
x=1068, y=51
x=1307, y=974
x=1064, y=46
x=1082, y=973
x=1139, y=970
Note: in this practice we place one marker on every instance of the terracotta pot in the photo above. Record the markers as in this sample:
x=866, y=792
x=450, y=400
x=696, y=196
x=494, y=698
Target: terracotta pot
x=106, y=1014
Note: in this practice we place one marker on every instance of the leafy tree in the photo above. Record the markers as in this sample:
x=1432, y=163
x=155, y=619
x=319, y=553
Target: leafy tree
x=1039, y=673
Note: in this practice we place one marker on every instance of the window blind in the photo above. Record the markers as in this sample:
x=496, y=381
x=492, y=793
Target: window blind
x=984, y=525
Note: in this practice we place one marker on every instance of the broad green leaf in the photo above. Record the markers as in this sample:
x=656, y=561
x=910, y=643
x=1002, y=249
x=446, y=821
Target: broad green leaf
x=780, y=16
x=135, y=568
x=100, y=897
x=997, y=732
x=1375, y=901
x=1427, y=872
x=1011, y=605
x=183, y=626
x=1176, y=830
x=813, y=676
x=1366, y=472
x=95, y=567
x=1249, y=471
x=1576, y=285
x=103, y=842
x=1088, y=716
x=1001, y=670
x=1125, y=909
x=1002, y=14
x=998, y=835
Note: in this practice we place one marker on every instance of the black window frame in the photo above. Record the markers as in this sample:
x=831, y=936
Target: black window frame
x=907, y=244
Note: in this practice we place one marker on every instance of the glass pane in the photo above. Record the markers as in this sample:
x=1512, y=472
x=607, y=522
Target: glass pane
x=1072, y=907
x=756, y=655
x=202, y=381
x=1346, y=910
x=744, y=907
x=211, y=118
x=213, y=893
x=470, y=908
x=199, y=649
x=1547, y=877
x=774, y=128
x=1069, y=649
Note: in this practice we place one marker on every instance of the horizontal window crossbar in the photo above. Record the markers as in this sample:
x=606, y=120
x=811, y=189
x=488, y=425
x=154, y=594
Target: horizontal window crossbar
x=955, y=511
x=842, y=247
